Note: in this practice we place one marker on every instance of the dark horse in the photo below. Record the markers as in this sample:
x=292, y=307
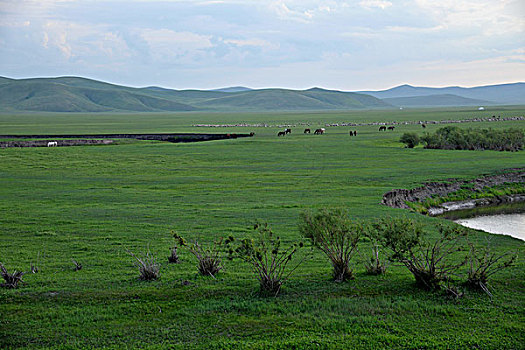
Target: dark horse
x=319, y=131
x=287, y=131
x=306, y=131
x=382, y=128
x=281, y=133
x=423, y=126
x=391, y=127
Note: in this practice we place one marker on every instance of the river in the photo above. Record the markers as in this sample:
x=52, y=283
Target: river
x=504, y=219
x=503, y=224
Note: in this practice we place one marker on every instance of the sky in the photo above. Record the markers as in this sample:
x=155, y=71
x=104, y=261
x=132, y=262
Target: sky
x=298, y=44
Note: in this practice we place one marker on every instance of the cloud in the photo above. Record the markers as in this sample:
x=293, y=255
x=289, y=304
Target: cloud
x=281, y=9
x=369, y=4
x=166, y=45
x=252, y=42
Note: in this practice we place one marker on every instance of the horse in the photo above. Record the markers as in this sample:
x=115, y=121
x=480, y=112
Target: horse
x=351, y=133
x=281, y=133
x=391, y=127
x=306, y=131
x=382, y=128
x=355, y=132
x=287, y=131
x=423, y=126
x=52, y=144
x=319, y=131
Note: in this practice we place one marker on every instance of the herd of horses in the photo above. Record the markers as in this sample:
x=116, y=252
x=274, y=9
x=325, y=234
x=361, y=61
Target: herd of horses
x=321, y=131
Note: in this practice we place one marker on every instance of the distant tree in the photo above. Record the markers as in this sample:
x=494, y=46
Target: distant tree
x=453, y=137
x=410, y=139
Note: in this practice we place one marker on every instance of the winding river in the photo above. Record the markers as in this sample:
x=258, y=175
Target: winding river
x=504, y=224
x=505, y=219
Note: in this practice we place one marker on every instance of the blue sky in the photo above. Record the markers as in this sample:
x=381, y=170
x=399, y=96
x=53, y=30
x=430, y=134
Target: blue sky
x=345, y=45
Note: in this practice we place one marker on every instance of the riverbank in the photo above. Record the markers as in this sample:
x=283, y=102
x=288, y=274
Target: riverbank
x=437, y=198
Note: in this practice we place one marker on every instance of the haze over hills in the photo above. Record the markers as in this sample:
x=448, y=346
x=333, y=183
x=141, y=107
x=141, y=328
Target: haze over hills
x=75, y=94
x=491, y=94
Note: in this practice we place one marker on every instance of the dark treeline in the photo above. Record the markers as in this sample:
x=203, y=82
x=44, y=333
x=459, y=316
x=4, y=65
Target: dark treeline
x=452, y=137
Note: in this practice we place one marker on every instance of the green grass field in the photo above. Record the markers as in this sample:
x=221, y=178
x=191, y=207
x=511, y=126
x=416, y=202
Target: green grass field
x=93, y=203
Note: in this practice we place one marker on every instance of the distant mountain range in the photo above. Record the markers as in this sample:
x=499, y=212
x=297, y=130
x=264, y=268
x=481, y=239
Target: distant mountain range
x=75, y=94
x=503, y=94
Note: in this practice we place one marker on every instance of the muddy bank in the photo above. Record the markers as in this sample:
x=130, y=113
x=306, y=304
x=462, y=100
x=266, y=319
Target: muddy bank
x=475, y=203
x=59, y=143
x=397, y=198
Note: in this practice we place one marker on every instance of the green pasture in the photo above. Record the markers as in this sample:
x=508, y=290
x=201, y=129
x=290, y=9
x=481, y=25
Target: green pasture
x=92, y=203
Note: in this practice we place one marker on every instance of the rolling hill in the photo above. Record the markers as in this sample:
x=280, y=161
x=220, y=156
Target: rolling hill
x=74, y=94
x=441, y=100
x=502, y=94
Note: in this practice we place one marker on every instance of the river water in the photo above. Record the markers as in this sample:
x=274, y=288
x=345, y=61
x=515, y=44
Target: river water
x=503, y=224
x=506, y=219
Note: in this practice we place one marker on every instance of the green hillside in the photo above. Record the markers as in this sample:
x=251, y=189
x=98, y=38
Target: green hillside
x=73, y=94
x=436, y=101
x=79, y=95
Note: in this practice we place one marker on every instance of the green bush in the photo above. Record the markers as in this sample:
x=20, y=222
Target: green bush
x=11, y=280
x=336, y=235
x=209, y=259
x=430, y=263
x=268, y=259
x=483, y=263
x=410, y=139
x=453, y=137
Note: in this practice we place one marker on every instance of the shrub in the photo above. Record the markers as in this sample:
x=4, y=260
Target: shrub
x=268, y=259
x=429, y=262
x=336, y=235
x=209, y=258
x=78, y=266
x=148, y=267
x=11, y=280
x=483, y=263
x=452, y=137
x=410, y=139
x=173, y=258
x=375, y=264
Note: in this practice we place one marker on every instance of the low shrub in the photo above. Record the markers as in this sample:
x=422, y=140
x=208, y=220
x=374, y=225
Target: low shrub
x=173, y=258
x=430, y=263
x=148, y=267
x=453, y=137
x=336, y=235
x=268, y=259
x=77, y=266
x=410, y=139
x=376, y=264
x=11, y=280
x=209, y=258
x=483, y=263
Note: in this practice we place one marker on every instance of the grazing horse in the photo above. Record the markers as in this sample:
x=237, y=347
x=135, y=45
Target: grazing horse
x=423, y=126
x=351, y=133
x=382, y=128
x=52, y=144
x=319, y=131
x=281, y=133
x=287, y=131
x=306, y=131
x=355, y=132
x=391, y=127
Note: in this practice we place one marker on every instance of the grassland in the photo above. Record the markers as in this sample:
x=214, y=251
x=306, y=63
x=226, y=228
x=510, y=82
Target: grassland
x=92, y=203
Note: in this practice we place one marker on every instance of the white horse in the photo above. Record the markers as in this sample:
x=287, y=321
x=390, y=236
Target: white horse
x=52, y=144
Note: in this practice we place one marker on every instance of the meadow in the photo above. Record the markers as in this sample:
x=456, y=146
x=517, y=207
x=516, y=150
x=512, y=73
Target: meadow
x=93, y=203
